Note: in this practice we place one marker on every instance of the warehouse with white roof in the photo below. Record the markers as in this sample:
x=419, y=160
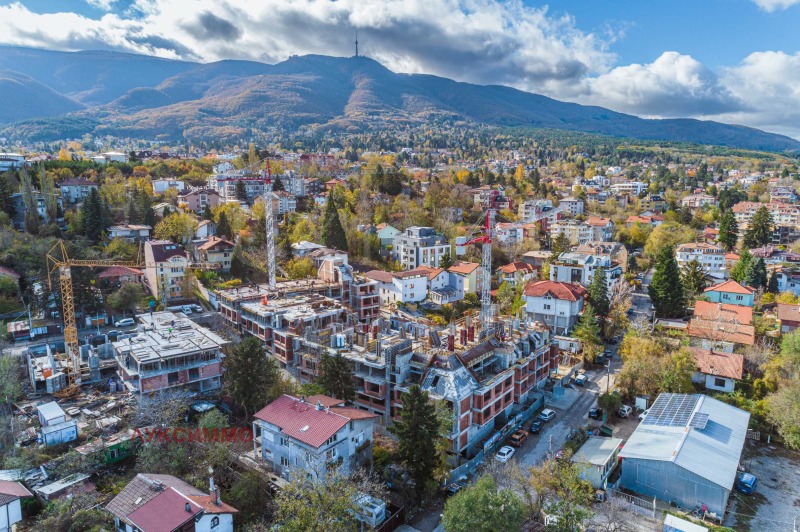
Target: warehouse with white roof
x=686, y=450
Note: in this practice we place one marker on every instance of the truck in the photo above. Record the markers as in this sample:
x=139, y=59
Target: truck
x=747, y=483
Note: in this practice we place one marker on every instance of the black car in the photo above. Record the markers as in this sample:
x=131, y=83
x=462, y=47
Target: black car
x=596, y=413
x=453, y=488
x=536, y=426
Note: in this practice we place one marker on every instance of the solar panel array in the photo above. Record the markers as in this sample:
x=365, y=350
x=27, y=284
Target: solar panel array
x=671, y=410
x=699, y=421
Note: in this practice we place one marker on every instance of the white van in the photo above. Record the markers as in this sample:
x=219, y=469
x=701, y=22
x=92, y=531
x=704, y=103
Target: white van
x=624, y=411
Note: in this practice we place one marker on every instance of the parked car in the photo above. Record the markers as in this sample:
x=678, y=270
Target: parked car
x=186, y=309
x=581, y=379
x=504, y=454
x=98, y=339
x=624, y=411
x=547, y=414
x=643, y=414
x=112, y=335
x=125, y=322
x=452, y=489
x=596, y=413
x=536, y=426
x=197, y=308
x=747, y=483
x=518, y=438
x=613, y=341
x=608, y=354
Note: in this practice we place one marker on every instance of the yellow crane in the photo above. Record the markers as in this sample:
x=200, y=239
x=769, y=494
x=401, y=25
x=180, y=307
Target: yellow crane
x=59, y=260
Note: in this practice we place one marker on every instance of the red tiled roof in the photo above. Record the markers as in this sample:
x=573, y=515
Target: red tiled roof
x=433, y=273
x=302, y=420
x=464, y=268
x=558, y=290
x=324, y=399
x=723, y=311
x=164, y=512
x=8, y=272
x=379, y=275
x=516, y=266
x=208, y=502
x=416, y=272
x=730, y=365
x=597, y=221
x=788, y=312
x=16, y=489
x=731, y=287
x=213, y=242
x=722, y=322
x=77, y=182
x=164, y=250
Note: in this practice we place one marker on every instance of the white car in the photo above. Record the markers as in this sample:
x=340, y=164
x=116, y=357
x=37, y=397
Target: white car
x=643, y=414
x=126, y=322
x=504, y=454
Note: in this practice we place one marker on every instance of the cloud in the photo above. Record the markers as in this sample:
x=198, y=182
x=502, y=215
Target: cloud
x=209, y=26
x=105, y=5
x=774, y=5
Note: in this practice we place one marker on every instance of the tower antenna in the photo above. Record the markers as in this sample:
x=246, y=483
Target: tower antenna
x=356, y=43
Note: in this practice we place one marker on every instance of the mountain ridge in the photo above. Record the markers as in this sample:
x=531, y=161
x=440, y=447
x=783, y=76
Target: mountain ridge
x=230, y=99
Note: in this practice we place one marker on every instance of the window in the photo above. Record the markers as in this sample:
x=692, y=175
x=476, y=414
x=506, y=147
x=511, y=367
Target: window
x=285, y=461
x=719, y=383
x=215, y=522
x=285, y=442
x=739, y=298
x=547, y=307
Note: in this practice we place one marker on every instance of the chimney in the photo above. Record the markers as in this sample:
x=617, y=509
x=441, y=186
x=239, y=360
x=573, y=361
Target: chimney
x=319, y=405
x=217, y=499
x=463, y=337
x=188, y=507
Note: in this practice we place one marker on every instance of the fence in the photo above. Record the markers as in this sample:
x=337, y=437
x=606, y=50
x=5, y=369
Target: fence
x=629, y=502
x=494, y=442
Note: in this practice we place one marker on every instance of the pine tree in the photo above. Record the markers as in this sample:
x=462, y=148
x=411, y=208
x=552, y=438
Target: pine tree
x=598, y=294
x=250, y=378
x=666, y=289
x=446, y=261
x=694, y=278
x=587, y=331
x=93, y=215
x=728, y=231
x=756, y=273
x=241, y=191
x=759, y=231
x=561, y=244
x=772, y=286
x=223, y=226
x=332, y=231
x=6, y=190
x=740, y=268
x=336, y=377
x=207, y=214
x=417, y=431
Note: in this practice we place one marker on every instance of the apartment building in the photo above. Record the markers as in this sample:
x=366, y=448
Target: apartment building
x=160, y=186
x=602, y=229
x=785, y=219
x=225, y=185
x=216, y=251
x=577, y=232
x=573, y=206
x=710, y=256
x=581, y=268
x=556, y=304
x=400, y=287
x=540, y=212
x=199, y=199
x=418, y=246
x=313, y=436
x=165, y=269
x=614, y=251
x=629, y=188
x=169, y=351
x=359, y=293
x=698, y=201
x=130, y=232
x=75, y=190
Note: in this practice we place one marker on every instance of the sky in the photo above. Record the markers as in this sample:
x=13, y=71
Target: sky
x=735, y=61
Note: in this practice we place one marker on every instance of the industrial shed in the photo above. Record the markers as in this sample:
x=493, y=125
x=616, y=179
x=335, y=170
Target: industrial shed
x=686, y=450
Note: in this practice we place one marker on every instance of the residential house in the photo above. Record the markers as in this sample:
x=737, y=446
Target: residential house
x=304, y=247
x=516, y=272
x=573, y=206
x=788, y=279
x=655, y=202
x=386, y=233
x=160, y=186
x=205, y=229
x=11, y=494
x=783, y=195
x=577, y=232
x=163, y=503
x=10, y=274
x=677, y=453
x=439, y=289
x=774, y=255
x=556, y=304
x=788, y=317
x=629, y=188
x=21, y=209
x=119, y=275
x=730, y=292
x=171, y=351
x=655, y=220
x=216, y=251
x=614, y=251
x=9, y=161
x=130, y=232
x=537, y=258
x=465, y=276
x=313, y=436
x=401, y=287
x=115, y=157
x=573, y=267
x=283, y=203
x=418, y=246
x=199, y=199
x=75, y=190
x=602, y=229
x=166, y=264
x=322, y=254
x=508, y=233
x=698, y=201
x=721, y=326
x=710, y=256
x=716, y=370
x=596, y=459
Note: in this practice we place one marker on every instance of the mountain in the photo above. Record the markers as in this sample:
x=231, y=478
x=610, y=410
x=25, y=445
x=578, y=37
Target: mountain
x=23, y=97
x=140, y=96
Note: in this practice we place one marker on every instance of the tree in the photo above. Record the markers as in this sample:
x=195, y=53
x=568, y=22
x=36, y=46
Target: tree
x=562, y=492
x=783, y=409
x=241, y=191
x=177, y=227
x=300, y=268
x=610, y=402
x=675, y=375
x=559, y=245
x=95, y=216
x=446, y=261
x=223, y=226
x=666, y=289
x=694, y=278
x=759, y=230
x=588, y=332
x=127, y=297
x=505, y=297
x=207, y=213
x=728, y=231
x=756, y=273
x=48, y=189
x=418, y=431
x=772, y=285
x=740, y=268
x=333, y=235
x=668, y=235
x=482, y=507
x=598, y=294
x=32, y=219
x=7, y=189
x=250, y=377
x=336, y=377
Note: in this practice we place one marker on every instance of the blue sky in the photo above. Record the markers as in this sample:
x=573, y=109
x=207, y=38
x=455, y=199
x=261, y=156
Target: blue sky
x=734, y=61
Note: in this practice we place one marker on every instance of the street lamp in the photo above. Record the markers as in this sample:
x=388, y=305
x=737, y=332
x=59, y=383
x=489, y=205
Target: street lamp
x=608, y=376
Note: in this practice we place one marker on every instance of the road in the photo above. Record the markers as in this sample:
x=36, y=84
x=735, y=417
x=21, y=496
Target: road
x=641, y=304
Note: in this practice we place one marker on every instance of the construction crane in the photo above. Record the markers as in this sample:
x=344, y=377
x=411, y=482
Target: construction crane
x=487, y=313
x=59, y=260
x=270, y=221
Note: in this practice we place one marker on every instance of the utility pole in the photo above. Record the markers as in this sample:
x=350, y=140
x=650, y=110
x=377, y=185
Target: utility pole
x=608, y=376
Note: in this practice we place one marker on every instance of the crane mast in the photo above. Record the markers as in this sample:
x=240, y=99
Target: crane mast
x=270, y=225
x=486, y=276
